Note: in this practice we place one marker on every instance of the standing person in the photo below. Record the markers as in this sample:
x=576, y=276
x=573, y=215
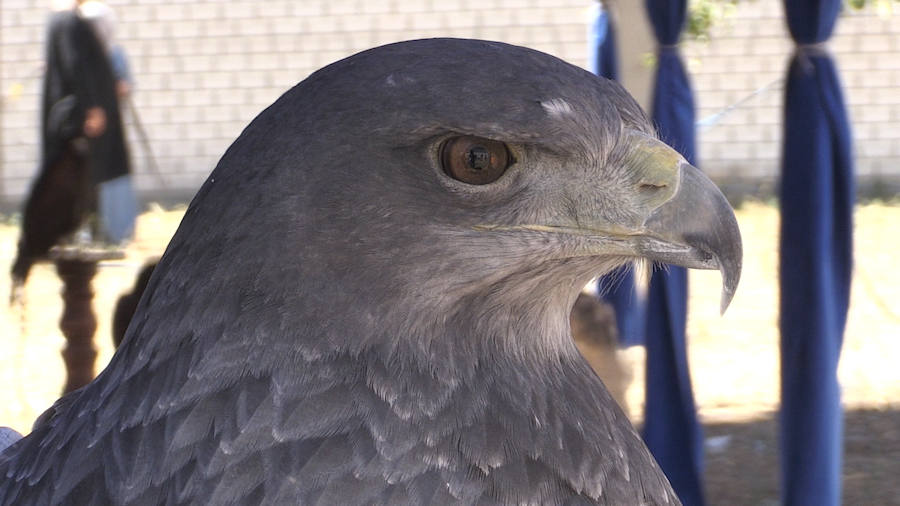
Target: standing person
x=118, y=204
x=82, y=142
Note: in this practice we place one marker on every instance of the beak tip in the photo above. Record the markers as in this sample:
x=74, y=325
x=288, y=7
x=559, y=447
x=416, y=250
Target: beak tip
x=731, y=275
x=727, y=295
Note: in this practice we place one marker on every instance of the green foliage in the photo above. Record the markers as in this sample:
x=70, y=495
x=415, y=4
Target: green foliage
x=883, y=7
x=703, y=14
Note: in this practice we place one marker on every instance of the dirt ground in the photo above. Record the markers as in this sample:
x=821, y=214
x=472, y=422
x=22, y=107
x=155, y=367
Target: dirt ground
x=734, y=358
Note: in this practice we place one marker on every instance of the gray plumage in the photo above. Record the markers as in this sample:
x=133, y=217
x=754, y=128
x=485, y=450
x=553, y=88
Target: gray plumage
x=338, y=321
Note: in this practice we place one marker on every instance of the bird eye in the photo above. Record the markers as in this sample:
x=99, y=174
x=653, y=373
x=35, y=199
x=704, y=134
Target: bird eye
x=474, y=160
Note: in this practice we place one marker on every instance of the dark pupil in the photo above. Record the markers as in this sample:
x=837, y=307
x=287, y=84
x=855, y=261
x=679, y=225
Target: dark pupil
x=479, y=158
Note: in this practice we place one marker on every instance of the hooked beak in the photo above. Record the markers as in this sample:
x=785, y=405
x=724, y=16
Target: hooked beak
x=694, y=227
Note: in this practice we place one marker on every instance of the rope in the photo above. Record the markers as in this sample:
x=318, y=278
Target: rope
x=714, y=119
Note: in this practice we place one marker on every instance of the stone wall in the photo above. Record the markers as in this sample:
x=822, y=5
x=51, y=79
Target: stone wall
x=204, y=69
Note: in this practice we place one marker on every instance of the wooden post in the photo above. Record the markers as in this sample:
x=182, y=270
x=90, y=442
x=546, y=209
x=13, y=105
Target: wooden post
x=76, y=266
x=78, y=321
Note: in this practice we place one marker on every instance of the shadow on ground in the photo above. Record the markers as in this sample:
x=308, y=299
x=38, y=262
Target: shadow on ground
x=742, y=460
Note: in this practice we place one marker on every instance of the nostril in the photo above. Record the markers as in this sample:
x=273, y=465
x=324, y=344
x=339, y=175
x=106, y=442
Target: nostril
x=652, y=186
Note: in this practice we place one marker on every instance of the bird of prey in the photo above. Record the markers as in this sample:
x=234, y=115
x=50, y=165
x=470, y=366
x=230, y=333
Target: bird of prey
x=367, y=301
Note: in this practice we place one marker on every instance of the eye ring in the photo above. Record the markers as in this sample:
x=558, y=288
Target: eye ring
x=474, y=160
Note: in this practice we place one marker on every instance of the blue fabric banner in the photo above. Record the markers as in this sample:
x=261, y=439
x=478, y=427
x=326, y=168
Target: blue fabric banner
x=817, y=192
x=671, y=429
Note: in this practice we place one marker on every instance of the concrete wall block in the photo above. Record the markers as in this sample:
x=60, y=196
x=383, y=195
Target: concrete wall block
x=447, y=6
x=184, y=81
x=211, y=149
x=198, y=131
x=286, y=43
x=199, y=62
x=25, y=56
x=300, y=63
x=152, y=30
x=230, y=62
x=327, y=57
x=184, y=29
x=250, y=79
x=882, y=95
x=205, y=11
x=274, y=9
x=285, y=79
x=217, y=80
x=530, y=16
x=163, y=98
x=871, y=114
x=308, y=8
x=228, y=96
x=874, y=43
x=171, y=11
x=159, y=64
x=166, y=132
x=390, y=22
x=359, y=40
x=319, y=24
x=284, y=25
x=152, y=115
x=573, y=52
x=216, y=114
x=871, y=78
x=128, y=16
x=25, y=166
x=241, y=10
x=558, y=4
x=17, y=4
x=260, y=98
x=13, y=182
x=713, y=101
x=185, y=114
x=355, y=23
x=22, y=138
x=879, y=148
x=844, y=44
x=712, y=135
x=853, y=62
x=772, y=46
x=228, y=132
x=12, y=154
x=431, y=20
x=514, y=4
x=888, y=60
x=161, y=47
x=29, y=16
x=20, y=35
x=764, y=82
x=407, y=6
x=252, y=26
x=198, y=96
x=265, y=61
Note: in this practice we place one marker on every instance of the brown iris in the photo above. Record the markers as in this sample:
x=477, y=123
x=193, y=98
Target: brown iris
x=474, y=160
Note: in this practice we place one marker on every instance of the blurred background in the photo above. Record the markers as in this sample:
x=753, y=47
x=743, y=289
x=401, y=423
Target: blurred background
x=203, y=69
